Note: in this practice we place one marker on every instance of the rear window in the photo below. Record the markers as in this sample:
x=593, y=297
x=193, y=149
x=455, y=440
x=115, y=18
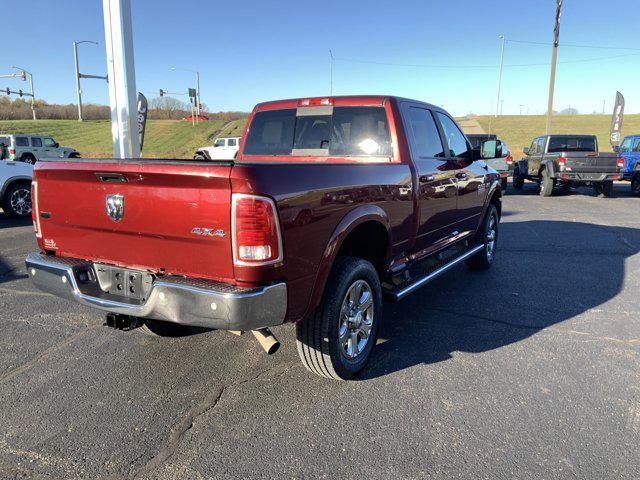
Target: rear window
x=571, y=144
x=320, y=131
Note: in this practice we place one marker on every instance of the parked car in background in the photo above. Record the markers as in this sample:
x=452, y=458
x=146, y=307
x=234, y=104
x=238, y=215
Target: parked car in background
x=567, y=161
x=224, y=148
x=31, y=148
x=503, y=161
x=629, y=150
x=331, y=203
x=15, y=188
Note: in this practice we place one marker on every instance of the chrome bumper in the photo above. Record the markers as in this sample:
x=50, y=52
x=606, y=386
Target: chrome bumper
x=185, y=301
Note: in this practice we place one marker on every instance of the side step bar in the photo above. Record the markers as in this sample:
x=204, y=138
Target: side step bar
x=402, y=292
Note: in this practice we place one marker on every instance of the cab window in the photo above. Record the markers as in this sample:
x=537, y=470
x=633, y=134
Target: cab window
x=49, y=142
x=425, y=136
x=636, y=145
x=458, y=145
x=36, y=142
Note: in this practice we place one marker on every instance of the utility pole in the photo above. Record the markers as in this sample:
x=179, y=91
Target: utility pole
x=501, y=105
x=501, y=37
x=603, y=105
x=521, y=109
x=122, y=78
x=554, y=57
x=330, y=73
x=33, y=105
x=82, y=75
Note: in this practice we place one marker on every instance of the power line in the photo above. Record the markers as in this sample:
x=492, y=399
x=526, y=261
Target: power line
x=601, y=47
x=513, y=65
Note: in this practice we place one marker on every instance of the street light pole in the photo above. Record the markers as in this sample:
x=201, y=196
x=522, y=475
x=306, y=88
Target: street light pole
x=198, y=103
x=33, y=105
x=79, y=75
x=330, y=73
x=501, y=37
x=554, y=57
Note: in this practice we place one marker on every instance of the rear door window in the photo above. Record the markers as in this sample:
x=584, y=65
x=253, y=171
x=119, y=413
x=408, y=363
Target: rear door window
x=320, y=131
x=22, y=142
x=636, y=145
x=626, y=143
x=36, y=142
x=231, y=142
x=424, y=133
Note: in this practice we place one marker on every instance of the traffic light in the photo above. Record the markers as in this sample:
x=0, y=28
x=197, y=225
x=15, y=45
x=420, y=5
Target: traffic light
x=161, y=92
x=20, y=92
x=23, y=75
x=8, y=91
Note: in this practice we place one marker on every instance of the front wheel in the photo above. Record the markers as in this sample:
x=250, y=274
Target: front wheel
x=488, y=237
x=336, y=341
x=546, y=184
x=504, y=184
x=635, y=184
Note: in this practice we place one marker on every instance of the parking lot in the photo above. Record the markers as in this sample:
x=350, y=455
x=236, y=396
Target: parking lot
x=529, y=370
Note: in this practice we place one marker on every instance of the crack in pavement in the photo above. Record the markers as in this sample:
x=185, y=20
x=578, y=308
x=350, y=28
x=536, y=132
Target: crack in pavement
x=43, y=355
x=210, y=401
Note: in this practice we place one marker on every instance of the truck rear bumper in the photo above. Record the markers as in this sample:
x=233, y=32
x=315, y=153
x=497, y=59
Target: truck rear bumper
x=179, y=300
x=588, y=177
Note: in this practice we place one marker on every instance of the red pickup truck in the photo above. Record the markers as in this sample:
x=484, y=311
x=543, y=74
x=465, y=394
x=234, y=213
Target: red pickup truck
x=331, y=204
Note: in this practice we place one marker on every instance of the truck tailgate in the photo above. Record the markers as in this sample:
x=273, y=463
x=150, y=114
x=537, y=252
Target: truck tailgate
x=591, y=163
x=167, y=205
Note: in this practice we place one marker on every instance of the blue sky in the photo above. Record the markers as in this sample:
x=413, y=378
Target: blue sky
x=254, y=50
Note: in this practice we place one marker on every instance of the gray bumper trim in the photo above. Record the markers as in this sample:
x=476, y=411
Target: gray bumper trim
x=198, y=303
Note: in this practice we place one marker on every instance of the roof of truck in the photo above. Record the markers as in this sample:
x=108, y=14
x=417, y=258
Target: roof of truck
x=345, y=100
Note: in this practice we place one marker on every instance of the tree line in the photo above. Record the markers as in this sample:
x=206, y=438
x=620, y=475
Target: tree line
x=160, y=108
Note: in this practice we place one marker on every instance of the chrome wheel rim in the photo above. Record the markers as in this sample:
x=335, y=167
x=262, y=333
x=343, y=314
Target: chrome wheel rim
x=20, y=201
x=491, y=237
x=356, y=319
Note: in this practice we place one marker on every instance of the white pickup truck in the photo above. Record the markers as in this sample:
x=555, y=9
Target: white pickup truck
x=224, y=148
x=15, y=188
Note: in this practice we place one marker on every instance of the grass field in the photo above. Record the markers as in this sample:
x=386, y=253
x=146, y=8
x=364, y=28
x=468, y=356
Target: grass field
x=518, y=131
x=178, y=139
x=163, y=138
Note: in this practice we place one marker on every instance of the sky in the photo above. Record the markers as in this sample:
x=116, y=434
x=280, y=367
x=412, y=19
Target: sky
x=444, y=52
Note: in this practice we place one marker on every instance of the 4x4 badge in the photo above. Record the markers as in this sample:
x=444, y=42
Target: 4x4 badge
x=115, y=207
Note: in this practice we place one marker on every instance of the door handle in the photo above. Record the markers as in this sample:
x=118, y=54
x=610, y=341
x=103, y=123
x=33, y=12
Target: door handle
x=426, y=178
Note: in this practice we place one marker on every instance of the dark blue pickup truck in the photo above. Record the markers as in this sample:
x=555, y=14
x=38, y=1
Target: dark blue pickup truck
x=629, y=150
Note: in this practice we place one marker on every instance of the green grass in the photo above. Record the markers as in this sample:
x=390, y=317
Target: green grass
x=92, y=138
x=518, y=131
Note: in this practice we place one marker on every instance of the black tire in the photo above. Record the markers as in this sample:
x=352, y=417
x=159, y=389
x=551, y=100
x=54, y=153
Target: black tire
x=321, y=348
x=604, y=189
x=518, y=180
x=635, y=184
x=17, y=200
x=200, y=156
x=504, y=183
x=485, y=257
x=546, y=183
x=158, y=328
x=28, y=158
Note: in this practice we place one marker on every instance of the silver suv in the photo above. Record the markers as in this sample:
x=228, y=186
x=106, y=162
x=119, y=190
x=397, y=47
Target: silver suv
x=31, y=148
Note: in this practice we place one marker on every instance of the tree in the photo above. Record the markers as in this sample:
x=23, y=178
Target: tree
x=167, y=108
x=569, y=111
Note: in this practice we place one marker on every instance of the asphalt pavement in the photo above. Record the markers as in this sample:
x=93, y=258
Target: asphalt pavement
x=529, y=370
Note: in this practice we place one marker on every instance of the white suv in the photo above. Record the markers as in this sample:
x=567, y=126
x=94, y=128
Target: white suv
x=31, y=148
x=224, y=148
x=15, y=188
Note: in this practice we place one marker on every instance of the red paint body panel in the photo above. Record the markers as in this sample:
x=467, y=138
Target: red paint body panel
x=319, y=201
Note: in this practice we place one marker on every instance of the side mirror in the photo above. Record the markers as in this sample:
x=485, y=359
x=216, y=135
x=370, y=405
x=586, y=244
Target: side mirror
x=526, y=150
x=490, y=149
x=56, y=145
x=616, y=148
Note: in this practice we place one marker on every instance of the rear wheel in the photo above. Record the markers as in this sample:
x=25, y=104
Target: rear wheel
x=635, y=184
x=337, y=340
x=488, y=236
x=17, y=200
x=199, y=156
x=28, y=158
x=518, y=180
x=546, y=183
x=604, y=189
x=504, y=184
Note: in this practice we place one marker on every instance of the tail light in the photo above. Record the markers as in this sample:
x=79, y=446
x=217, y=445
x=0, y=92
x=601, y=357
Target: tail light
x=562, y=161
x=12, y=151
x=509, y=159
x=255, y=230
x=620, y=162
x=34, y=209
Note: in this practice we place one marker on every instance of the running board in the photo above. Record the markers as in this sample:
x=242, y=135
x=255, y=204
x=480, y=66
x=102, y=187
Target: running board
x=402, y=292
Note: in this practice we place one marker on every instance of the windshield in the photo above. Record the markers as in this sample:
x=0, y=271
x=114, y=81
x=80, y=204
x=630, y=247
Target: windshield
x=572, y=144
x=320, y=131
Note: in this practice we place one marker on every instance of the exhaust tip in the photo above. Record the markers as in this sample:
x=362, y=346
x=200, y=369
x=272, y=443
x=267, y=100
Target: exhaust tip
x=267, y=340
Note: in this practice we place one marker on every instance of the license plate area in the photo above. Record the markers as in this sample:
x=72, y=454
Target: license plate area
x=124, y=282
